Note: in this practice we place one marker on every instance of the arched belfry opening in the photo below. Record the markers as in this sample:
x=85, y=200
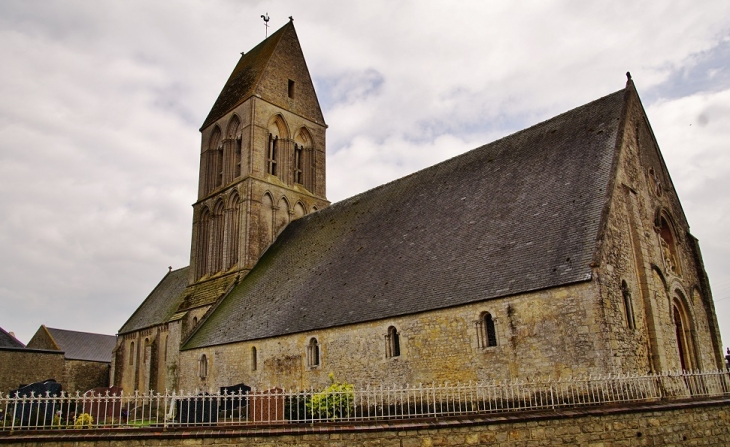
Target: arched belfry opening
x=303, y=162
x=233, y=149
x=213, y=161
x=276, y=146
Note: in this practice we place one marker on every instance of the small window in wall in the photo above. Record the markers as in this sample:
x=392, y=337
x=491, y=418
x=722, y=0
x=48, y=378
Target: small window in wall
x=290, y=88
x=490, y=332
x=392, y=343
x=486, y=331
x=313, y=353
x=146, y=344
x=203, y=367
x=131, y=353
x=254, y=359
x=195, y=321
x=628, y=305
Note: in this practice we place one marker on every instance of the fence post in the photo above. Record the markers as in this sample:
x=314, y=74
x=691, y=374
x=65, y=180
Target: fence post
x=552, y=396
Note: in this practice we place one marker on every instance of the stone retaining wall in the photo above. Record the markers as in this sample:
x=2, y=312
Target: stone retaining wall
x=678, y=423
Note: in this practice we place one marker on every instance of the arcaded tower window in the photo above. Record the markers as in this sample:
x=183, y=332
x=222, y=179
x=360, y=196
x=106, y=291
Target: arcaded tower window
x=298, y=177
x=271, y=155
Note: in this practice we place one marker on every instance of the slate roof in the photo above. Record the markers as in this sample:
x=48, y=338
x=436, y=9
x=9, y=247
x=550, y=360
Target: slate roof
x=516, y=215
x=161, y=304
x=244, y=79
x=84, y=345
x=8, y=341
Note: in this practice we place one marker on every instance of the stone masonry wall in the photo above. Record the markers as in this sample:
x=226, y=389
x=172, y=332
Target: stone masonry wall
x=255, y=115
x=82, y=375
x=22, y=366
x=682, y=424
x=547, y=333
x=153, y=364
x=632, y=253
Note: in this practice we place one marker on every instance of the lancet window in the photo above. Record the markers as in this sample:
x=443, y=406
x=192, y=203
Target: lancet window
x=313, y=353
x=201, y=267
x=271, y=155
x=392, y=343
x=203, y=367
x=486, y=331
x=628, y=305
x=232, y=229
x=298, y=156
x=213, y=160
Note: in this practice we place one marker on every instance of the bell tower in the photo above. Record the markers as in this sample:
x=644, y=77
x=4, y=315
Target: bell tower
x=262, y=159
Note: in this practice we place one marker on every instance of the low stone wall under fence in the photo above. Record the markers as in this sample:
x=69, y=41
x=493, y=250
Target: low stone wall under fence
x=689, y=422
x=344, y=403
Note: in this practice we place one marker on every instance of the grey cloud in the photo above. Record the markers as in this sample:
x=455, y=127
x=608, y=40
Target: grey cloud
x=102, y=101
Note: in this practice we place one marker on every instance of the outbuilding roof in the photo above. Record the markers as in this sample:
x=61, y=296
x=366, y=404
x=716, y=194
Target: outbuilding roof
x=516, y=215
x=83, y=345
x=9, y=341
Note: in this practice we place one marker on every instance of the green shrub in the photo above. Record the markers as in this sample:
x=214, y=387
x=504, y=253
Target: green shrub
x=84, y=420
x=57, y=422
x=336, y=401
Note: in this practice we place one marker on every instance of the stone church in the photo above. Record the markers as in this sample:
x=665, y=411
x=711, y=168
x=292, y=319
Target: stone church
x=559, y=250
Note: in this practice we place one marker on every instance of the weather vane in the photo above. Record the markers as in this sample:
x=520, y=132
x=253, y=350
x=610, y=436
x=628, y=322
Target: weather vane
x=266, y=23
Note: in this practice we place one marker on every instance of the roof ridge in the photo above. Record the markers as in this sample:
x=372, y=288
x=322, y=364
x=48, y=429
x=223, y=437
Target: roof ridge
x=457, y=157
x=78, y=332
x=148, y=297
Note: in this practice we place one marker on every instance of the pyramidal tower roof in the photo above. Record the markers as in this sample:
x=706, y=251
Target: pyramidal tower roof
x=281, y=49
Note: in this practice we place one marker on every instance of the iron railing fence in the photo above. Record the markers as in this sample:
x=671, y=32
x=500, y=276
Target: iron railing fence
x=344, y=403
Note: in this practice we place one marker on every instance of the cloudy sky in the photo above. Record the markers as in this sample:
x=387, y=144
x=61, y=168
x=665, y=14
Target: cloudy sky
x=100, y=105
